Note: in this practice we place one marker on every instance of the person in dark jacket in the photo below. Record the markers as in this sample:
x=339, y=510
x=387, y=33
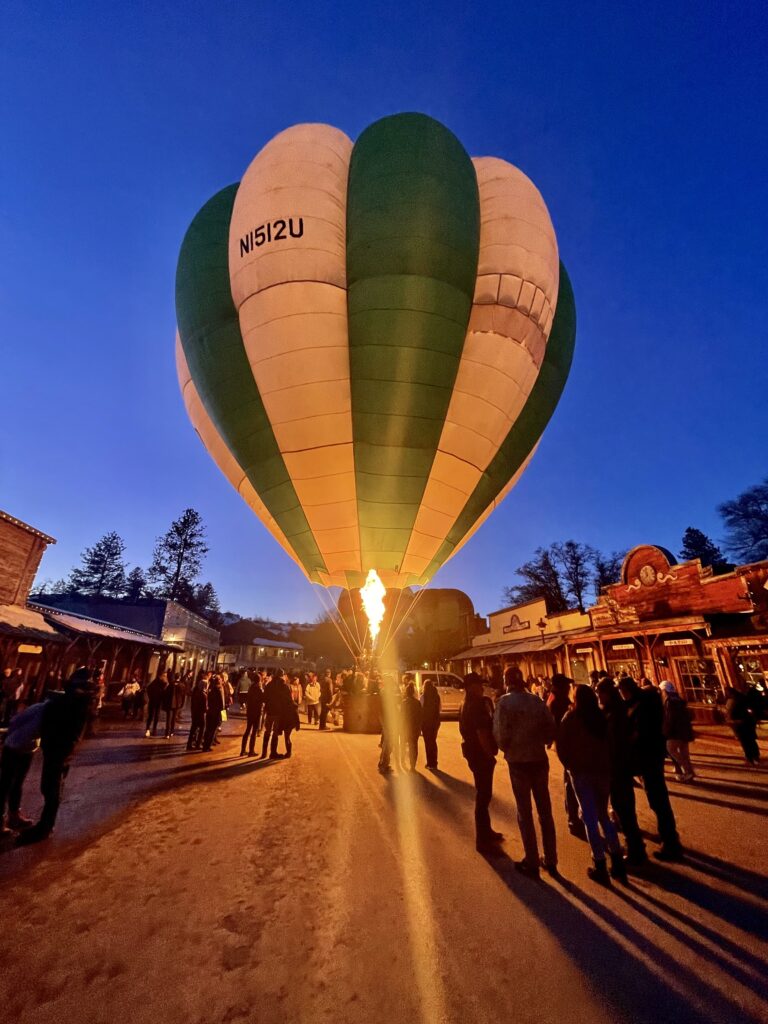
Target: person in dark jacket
x=155, y=696
x=743, y=720
x=389, y=717
x=678, y=731
x=173, y=701
x=430, y=722
x=622, y=781
x=278, y=704
x=62, y=727
x=326, y=696
x=254, y=705
x=479, y=749
x=559, y=703
x=411, y=717
x=198, y=707
x=217, y=701
x=583, y=748
x=647, y=751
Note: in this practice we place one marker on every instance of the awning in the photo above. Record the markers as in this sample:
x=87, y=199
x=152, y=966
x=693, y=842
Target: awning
x=530, y=646
x=24, y=623
x=95, y=627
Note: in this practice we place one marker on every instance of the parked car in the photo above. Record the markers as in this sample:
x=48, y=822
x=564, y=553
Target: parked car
x=449, y=686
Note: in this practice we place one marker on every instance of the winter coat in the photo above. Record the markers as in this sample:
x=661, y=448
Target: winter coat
x=216, y=699
x=558, y=705
x=430, y=706
x=676, y=724
x=198, y=703
x=412, y=716
x=277, y=697
x=615, y=713
x=581, y=750
x=156, y=691
x=523, y=726
x=645, y=719
x=62, y=725
x=24, y=729
x=326, y=691
x=312, y=693
x=254, y=700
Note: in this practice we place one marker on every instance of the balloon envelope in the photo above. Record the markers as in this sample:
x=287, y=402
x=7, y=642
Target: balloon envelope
x=371, y=341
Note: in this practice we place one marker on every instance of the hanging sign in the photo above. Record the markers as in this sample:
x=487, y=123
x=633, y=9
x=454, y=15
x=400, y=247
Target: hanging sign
x=30, y=649
x=622, y=647
x=678, y=643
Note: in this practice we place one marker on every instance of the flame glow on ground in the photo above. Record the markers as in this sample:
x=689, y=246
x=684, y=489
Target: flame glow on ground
x=372, y=595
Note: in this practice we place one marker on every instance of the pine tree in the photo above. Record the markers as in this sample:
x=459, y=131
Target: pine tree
x=178, y=557
x=102, y=569
x=135, y=584
x=698, y=545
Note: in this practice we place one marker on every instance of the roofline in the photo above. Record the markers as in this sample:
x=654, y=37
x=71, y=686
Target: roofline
x=53, y=613
x=8, y=518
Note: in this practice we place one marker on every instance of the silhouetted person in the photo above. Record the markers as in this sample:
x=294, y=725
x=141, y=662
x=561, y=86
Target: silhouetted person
x=198, y=707
x=389, y=711
x=18, y=750
x=62, y=726
x=622, y=779
x=647, y=752
x=155, y=696
x=559, y=702
x=254, y=705
x=523, y=727
x=430, y=722
x=411, y=717
x=743, y=720
x=583, y=747
x=277, y=703
x=326, y=696
x=479, y=749
x=217, y=701
x=173, y=701
x=678, y=731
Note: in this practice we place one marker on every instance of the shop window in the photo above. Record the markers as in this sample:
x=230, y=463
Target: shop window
x=751, y=671
x=624, y=668
x=699, y=680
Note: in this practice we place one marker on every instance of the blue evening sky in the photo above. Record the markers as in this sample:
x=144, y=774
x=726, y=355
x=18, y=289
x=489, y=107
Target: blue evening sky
x=644, y=126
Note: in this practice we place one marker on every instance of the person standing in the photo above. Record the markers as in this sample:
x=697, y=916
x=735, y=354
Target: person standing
x=389, y=713
x=430, y=722
x=127, y=697
x=63, y=722
x=583, y=748
x=523, y=728
x=173, y=702
x=217, y=701
x=479, y=749
x=647, y=749
x=622, y=781
x=411, y=715
x=155, y=697
x=19, y=747
x=559, y=703
x=198, y=707
x=326, y=696
x=277, y=698
x=254, y=705
x=678, y=731
x=312, y=695
x=743, y=721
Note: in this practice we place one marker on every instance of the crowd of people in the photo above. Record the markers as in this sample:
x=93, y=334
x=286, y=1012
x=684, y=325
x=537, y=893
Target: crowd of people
x=610, y=737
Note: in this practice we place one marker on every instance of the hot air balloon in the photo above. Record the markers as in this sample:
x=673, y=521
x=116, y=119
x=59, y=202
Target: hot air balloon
x=371, y=340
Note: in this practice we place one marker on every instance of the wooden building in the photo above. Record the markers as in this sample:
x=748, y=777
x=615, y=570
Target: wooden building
x=263, y=653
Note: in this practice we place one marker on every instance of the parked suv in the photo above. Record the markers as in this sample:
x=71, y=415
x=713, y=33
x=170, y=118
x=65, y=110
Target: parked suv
x=449, y=686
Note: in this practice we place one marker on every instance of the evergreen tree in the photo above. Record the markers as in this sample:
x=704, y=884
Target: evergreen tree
x=540, y=579
x=178, y=557
x=746, y=519
x=698, y=545
x=206, y=603
x=135, y=584
x=102, y=569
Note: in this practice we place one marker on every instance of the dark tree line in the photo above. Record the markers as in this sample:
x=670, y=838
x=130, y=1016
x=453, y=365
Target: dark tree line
x=177, y=561
x=571, y=574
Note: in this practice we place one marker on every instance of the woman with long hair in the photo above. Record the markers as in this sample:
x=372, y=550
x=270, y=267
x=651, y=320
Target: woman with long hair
x=582, y=746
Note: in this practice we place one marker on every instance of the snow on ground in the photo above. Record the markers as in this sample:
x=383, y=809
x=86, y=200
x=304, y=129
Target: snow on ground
x=205, y=888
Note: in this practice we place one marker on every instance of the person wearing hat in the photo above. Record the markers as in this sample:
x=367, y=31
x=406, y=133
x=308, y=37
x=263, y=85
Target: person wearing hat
x=678, y=731
x=479, y=749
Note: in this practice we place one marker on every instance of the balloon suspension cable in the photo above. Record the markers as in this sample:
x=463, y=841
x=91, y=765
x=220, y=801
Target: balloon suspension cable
x=408, y=611
x=329, y=613
x=360, y=642
x=385, y=645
